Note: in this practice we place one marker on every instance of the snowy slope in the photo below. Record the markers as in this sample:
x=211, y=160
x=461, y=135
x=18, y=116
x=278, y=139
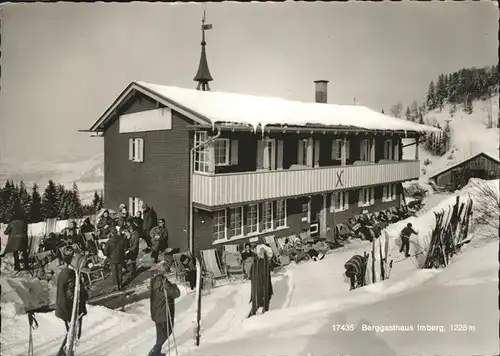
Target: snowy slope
x=470, y=135
x=307, y=300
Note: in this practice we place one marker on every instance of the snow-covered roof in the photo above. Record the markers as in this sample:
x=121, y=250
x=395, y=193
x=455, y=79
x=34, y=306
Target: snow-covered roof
x=490, y=155
x=218, y=107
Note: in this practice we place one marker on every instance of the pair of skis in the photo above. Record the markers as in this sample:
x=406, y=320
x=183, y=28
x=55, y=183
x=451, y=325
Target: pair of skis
x=68, y=346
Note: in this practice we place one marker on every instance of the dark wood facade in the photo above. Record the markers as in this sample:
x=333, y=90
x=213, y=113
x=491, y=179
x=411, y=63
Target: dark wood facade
x=162, y=180
x=480, y=166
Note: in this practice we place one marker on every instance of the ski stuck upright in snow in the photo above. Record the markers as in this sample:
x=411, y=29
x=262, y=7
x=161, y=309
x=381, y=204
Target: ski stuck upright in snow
x=197, y=327
x=69, y=344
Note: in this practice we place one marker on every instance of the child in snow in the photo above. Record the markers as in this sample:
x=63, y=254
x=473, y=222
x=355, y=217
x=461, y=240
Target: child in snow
x=405, y=239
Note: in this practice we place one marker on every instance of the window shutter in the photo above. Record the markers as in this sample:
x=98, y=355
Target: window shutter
x=334, y=150
x=310, y=152
x=280, y=154
x=372, y=195
x=300, y=153
x=384, y=192
x=131, y=149
x=363, y=150
x=347, y=149
x=210, y=151
x=346, y=200
x=396, y=150
x=266, y=164
x=360, y=197
x=131, y=204
x=394, y=189
x=260, y=154
x=272, y=151
x=317, y=146
x=329, y=203
x=141, y=149
x=372, y=150
x=234, y=152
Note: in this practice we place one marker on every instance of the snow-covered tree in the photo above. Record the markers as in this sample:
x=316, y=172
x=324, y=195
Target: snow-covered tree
x=50, y=203
x=397, y=110
x=431, y=97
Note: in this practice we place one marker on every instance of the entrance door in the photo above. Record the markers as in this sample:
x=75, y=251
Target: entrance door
x=316, y=211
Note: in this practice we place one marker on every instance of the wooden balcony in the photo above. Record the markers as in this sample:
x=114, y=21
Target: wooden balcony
x=224, y=189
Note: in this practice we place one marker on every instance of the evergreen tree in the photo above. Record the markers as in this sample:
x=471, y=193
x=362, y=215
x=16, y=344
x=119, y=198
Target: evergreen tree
x=408, y=114
x=440, y=95
x=76, y=203
x=397, y=109
x=431, y=97
x=35, y=211
x=468, y=108
x=50, y=203
x=102, y=201
x=414, y=111
x=96, y=202
x=24, y=199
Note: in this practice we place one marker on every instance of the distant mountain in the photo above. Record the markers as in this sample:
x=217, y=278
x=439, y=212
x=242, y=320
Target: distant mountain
x=88, y=173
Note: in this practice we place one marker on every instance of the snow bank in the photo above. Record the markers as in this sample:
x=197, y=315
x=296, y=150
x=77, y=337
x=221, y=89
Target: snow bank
x=254, y=110
x=24, y=293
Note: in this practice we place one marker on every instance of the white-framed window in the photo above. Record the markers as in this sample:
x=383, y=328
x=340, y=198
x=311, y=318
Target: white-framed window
x=235, y=222
x=267, y=216
x=302, y=152
x=306, y=211
x=339, y=201
x=134, y=205
x=252, y=218
x=389, y=192
x=221, y=152
x=280, y=213
x=366, y=196
x=201, y=158
x=337, y=149
x=366, y=150
x=219, y=226
x=136, y=149
x=388, y=149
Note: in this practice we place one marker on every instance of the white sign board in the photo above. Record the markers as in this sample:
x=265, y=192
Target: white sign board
x=150, y=120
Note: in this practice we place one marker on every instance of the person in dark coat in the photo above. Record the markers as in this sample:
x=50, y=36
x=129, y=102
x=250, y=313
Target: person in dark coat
x=162, y=299
x=190, y=269
x=247, y=257
x=137, y=219
x=87, y=226
x=123, y=219
x=133, y=246
x=115, y=252
x=159, y=239
x=355, y=269
x=150, y=220
x=104, y=224
x=17, y=231
x=65, y=292
x=73, y=237
x=260, y=276
x=405, y=239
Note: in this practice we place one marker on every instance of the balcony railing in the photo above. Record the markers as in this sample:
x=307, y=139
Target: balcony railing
x=234, y=188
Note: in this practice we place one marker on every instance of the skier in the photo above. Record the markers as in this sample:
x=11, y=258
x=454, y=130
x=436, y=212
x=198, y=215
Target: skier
x=159, y=237
x=17, y=230
x=405, y=239
x=260, y=275
x=115, y=252
x=149, y=221
x=355, y=269
x=65, y=292
x=162, y=299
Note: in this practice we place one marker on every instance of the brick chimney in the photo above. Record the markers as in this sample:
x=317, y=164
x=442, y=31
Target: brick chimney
x=321, y=91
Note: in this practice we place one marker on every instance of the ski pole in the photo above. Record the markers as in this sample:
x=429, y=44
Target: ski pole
x=173, y=333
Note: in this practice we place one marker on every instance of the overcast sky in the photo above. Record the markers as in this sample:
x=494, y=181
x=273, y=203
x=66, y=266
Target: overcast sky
x=63, y=64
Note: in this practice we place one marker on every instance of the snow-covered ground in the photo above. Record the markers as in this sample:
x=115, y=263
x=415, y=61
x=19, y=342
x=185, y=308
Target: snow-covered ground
x=469, y=135
x=308, y=299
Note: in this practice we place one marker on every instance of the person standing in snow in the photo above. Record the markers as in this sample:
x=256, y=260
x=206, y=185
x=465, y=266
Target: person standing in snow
x=17, y=231
x=150, y=220
x=123, y=219
x=65, y=292
x=162, y=299
x=133, y=246
x=159, y=239
x=247, y=257
x=115, y=252
x=260, y=276
x=405, y=239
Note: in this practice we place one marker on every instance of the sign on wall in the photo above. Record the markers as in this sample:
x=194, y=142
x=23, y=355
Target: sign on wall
x=149, y=120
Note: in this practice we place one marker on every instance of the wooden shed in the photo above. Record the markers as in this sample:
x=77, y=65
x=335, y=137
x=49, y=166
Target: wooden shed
x=481, y=165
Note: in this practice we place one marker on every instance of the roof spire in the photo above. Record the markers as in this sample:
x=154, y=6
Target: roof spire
x=203, y=76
